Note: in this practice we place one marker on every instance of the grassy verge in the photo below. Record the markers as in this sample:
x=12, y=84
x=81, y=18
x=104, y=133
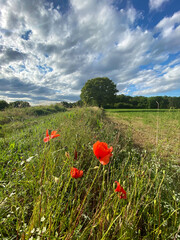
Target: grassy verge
x=40, y=200
x=21, y=114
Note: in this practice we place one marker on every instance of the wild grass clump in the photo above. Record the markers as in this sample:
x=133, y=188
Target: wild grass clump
x=40, y=199
x=45, y=110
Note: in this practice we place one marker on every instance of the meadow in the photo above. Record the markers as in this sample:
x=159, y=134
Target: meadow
x=40, y=199
x=157, y=130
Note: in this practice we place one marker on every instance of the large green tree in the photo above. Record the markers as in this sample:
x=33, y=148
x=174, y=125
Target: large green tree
x=99, y=92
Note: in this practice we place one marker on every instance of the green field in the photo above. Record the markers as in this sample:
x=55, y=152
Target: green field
x=155, y=130
x=40, y=200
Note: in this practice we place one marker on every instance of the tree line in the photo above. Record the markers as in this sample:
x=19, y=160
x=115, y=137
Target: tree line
x=141, y=102
x=16, y=104
x=102, y=92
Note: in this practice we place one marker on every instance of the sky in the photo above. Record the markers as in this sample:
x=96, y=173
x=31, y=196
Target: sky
x=50, y=48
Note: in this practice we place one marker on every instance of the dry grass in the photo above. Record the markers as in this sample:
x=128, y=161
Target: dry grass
x=155, y=132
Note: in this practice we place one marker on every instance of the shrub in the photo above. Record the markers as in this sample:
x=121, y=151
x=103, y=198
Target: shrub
x=3, y=104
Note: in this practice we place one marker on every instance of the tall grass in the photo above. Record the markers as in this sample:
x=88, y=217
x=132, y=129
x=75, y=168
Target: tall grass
x=21, y=114
x=156, y=129
x=40, y=199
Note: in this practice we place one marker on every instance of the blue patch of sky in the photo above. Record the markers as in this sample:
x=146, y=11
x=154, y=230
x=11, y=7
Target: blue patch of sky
x=22, y=67
x=26, y=35
x=46, y=55
x=61, y=5
x=44, y=69
x=156, y=35
x=146, y=67
x=131, y=89
x=153, y=17
x=11, y=68
x=172, y=93
x=176, y=25
x=149, y=18
x=171, y=58
x=119, y=4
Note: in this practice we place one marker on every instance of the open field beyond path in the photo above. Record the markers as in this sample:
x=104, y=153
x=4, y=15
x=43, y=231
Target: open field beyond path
x=154, y=130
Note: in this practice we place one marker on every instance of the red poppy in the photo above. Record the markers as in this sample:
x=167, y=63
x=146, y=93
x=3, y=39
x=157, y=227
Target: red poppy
x=120, y=190
x=75, y=173
x=102, y=152
x=53, y=135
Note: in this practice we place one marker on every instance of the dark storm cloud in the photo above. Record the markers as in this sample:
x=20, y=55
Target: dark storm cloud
x=9, y=55
x=18, y=86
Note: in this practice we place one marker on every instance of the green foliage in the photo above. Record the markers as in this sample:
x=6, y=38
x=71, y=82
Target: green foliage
x=19, y=104
x=98, y=92
x=3, y=105
x=20, y=114
x=40, y=200
x=140, y=102
x=45, y=110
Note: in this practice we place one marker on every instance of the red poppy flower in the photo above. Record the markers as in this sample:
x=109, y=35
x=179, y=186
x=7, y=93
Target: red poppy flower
x=120, y=190
x=102, y=152
x=53, y=135
x=75, y=173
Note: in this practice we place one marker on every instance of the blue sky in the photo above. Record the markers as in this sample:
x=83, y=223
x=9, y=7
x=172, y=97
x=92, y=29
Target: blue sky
x=49, y=49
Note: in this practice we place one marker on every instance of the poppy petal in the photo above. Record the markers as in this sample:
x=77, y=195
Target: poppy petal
x=46, y=139
x=105, y=160
x=53, y=134
x=47, y=133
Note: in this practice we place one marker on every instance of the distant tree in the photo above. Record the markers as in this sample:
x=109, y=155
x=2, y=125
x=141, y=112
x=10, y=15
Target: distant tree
x=19, y=104
x=99, y=92
x=78, y=103
x=67, y=104
x=3, y=104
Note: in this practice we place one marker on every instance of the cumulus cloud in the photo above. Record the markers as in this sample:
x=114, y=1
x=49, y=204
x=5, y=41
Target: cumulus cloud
x=156, y=4
x=47, y=55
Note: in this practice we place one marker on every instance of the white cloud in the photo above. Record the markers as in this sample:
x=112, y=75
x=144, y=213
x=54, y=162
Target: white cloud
x=157, y=80
x=63, y=51
x=156, y=4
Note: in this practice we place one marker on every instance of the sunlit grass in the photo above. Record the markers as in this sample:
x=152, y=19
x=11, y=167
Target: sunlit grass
x=158, y=129
x=40, y=199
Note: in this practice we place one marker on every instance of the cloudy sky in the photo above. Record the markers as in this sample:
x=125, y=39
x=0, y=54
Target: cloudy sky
x=50, y=48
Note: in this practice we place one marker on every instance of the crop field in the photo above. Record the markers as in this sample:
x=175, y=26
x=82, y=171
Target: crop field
x=53, y=185
x=155, y=130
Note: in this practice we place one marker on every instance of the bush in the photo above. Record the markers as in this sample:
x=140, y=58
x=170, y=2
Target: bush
x=45, y=110
x=19, y=104
x=3, y=105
